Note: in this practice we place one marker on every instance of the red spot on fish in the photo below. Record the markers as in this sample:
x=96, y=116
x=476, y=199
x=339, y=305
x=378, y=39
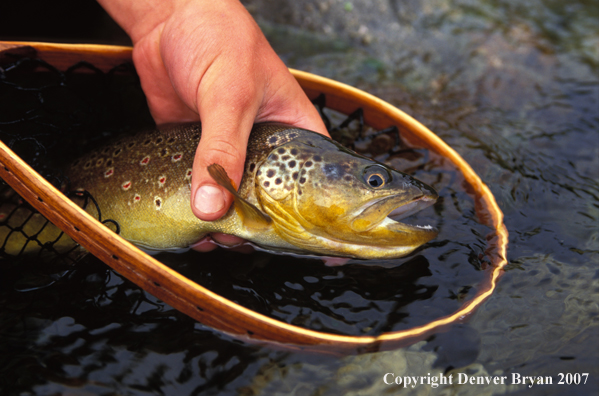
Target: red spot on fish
x=109, y=172
x=2, y=216
x=137, y=198
x=145, y=160
x=162, y=180
x=126, y=185
x=176, y=157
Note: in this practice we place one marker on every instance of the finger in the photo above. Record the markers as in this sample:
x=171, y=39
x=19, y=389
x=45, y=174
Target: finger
x=227, y=239
x=228, y=111
x=204, y=245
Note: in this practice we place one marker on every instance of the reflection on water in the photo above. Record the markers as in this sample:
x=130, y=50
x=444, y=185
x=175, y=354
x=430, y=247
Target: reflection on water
x=511, y=86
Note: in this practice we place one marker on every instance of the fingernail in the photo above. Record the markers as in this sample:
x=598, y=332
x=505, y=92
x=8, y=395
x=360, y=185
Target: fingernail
x=209, y=199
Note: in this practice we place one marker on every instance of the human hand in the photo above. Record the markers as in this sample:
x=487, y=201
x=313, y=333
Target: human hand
x=209, y=61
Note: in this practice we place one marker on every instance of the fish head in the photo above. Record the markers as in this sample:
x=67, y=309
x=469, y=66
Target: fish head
x=325, y=198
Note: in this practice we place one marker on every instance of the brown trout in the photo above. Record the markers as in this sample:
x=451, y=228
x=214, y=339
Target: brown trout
x=301, y=193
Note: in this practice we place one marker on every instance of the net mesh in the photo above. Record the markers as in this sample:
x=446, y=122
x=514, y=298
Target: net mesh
x=49, y=117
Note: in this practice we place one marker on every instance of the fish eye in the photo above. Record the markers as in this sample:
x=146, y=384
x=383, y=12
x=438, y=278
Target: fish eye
x=376, y=176
x=375, y=180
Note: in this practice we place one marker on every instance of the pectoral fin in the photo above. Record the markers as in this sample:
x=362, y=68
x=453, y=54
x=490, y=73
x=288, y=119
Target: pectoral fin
x=250, y=214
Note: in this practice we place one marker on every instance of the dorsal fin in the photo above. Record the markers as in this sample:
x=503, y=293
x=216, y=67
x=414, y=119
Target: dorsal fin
x=250, y=214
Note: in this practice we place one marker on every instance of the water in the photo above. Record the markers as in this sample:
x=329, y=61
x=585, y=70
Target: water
x=513, y=88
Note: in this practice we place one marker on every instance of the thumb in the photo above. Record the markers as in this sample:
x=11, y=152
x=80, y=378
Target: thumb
x=225, y=132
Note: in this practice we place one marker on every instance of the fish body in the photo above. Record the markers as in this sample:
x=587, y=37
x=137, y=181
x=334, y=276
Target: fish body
x=301, y=192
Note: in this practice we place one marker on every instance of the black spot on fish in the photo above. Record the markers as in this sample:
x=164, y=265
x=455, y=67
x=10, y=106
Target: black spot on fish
x=158, y=203
x=302, y=180
x=292, y=135
x=159, y=140
x=170, y=140
x=266, y=183
x=117, y=152
x=147, y=141
x=278, y=181
x=258, y=173
x=281, y=151
x=294, y=175
x=109, y=162
x=292, y=164
x=317, y=158
x=299, y=191
x=252, y=167
x=282, y=167
x=273, y=157
x=273, y=140
x=347, y=178
x=270, y=173
x=293, y=151
x=308, y=164
x=285, y=158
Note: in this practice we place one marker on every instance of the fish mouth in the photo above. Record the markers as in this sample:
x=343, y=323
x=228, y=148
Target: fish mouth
x=409, y=209
x=387, y=212
x=392, y=221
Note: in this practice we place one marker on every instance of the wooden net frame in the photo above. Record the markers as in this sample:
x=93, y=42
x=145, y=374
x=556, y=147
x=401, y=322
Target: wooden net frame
x=200, y=303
